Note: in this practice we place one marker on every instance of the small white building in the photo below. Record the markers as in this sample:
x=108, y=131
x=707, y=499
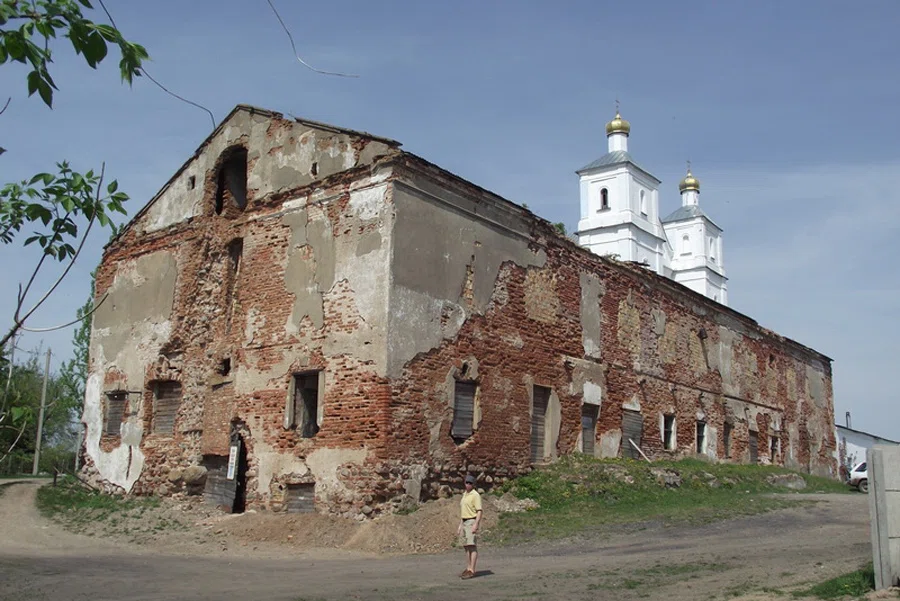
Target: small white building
x=852, y=446
x=620, y=216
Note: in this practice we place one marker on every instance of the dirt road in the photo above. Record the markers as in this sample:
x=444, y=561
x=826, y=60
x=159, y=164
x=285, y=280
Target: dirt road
x=749, y=558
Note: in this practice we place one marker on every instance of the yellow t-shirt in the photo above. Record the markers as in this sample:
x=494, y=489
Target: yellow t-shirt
x=470, y=505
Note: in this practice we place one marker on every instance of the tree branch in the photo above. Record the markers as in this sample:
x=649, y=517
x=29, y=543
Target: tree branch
x=19, y=321
x=71, y=323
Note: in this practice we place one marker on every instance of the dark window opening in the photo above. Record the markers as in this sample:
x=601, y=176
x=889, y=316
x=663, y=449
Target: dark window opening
x=604, y=199
x=726, y=439
x=192, y=181
x=115, y=412
x=540, y=400
x=306, y=403
x=701, y=437
x=463, y=411
x=235, y=253
x=314, y=169
x=231, y=181
x=225, y=366
x=632, y=431
x=588, y=428
x=754, y=447
x=167, y=401
x=669, y=432
x=773, y=448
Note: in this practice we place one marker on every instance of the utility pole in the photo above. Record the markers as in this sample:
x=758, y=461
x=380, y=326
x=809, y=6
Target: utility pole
x=37, y=443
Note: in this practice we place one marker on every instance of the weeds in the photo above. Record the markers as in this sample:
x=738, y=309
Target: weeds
x=855, y=584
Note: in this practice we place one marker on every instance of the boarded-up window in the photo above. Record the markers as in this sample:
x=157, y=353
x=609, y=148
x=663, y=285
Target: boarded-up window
x=115, y=412
x=669, y=432
x=306, y=403
x=166, y=401
x=541, y=398
x=463, y=411
x=754, y=447
x=632, y=429
x=726, y=438
x=588, y=428
x=701, y=437
x=300, y=498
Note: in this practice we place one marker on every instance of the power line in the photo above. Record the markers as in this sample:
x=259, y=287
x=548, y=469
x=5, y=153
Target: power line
x=294, y=47
x=143, y=70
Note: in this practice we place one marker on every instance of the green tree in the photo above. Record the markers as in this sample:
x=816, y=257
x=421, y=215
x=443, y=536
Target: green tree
x=24, y=394
x=59, y=208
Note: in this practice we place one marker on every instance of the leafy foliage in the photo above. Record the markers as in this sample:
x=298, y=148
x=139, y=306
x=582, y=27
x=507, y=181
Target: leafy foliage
x=40, y=22
x=23, y=403
x=52, y=205
x=54, y=202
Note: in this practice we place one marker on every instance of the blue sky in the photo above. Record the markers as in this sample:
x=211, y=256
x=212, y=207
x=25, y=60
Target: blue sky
x=787, y=110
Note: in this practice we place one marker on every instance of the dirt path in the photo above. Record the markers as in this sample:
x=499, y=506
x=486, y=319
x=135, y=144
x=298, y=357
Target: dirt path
x=749, y=558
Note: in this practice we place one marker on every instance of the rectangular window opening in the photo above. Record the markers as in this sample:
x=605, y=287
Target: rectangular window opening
x=701, y=437
x=300, y=498
x=540, y=400
x=632, y=430
x=669, y=432
x=115, y=412
x=166, y=402
x=726, y=438
x=773, y=448
x=588, y=428
x=463, y=425
x=306, y=403
x=754, y=447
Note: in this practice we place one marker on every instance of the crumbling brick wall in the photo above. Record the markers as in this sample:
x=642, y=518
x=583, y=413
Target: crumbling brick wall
x=393, y=280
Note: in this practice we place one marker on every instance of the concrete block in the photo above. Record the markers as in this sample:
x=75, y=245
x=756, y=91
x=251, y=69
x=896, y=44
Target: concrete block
x=884, y=511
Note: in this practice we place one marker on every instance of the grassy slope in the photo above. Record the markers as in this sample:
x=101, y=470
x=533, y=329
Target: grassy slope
x=76, y=504
x=579, y=493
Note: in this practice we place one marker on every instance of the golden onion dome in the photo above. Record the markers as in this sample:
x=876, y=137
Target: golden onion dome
x=689, y=183
x=618, y=126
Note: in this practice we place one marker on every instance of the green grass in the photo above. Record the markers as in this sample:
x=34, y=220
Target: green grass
x=78, y=504
x=854, y=584
x=582, y=494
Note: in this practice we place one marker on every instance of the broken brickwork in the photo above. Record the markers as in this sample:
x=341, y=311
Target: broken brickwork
x=316, y=296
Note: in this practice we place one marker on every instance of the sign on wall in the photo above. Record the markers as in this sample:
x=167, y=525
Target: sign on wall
x=232, y=461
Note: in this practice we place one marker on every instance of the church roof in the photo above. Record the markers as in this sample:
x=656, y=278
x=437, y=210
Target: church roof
x=616, y=157
x=686, y=212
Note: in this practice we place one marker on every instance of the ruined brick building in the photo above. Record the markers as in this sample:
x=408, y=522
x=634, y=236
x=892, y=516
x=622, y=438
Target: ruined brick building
x=308, y=317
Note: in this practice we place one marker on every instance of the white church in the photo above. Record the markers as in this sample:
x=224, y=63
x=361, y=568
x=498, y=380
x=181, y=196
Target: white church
x=620, y=217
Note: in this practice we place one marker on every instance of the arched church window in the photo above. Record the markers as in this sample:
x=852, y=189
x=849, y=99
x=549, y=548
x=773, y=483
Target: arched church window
x=604, y=198
x=686, y=244
x=643, y=203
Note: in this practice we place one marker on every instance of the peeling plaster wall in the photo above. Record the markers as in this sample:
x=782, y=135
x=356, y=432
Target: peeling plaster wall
x=393, y=279
x=594, y=331
x=307, y=291
x=129, y=328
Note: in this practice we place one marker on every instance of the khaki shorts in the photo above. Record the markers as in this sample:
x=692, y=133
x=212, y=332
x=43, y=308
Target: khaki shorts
x=467, y=538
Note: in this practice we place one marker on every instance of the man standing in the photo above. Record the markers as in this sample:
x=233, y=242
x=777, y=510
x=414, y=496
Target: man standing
x=470, y=514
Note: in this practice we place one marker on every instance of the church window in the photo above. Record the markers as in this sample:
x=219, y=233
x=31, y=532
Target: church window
x=686, y=244
x=643, y=203
x=604, y=199
x=712, y=251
